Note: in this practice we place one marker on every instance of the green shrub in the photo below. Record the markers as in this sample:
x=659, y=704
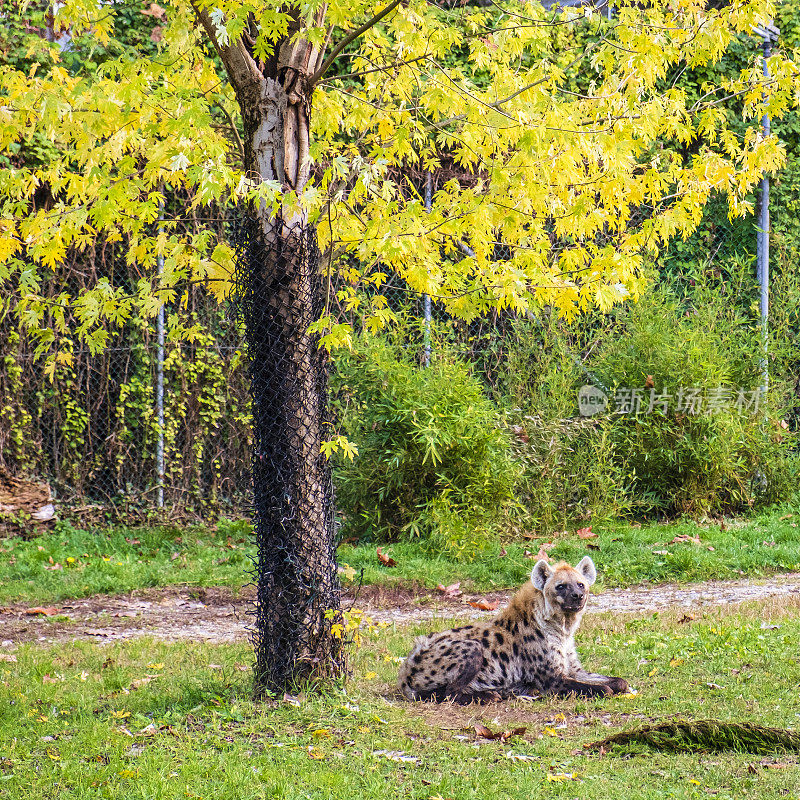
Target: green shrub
x=685, y=463
x=432, y=458
x=672, y=463
x=569, y=473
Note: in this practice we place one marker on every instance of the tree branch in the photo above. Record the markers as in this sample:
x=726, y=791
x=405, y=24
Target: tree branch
x=239, y=64
x=352, y=36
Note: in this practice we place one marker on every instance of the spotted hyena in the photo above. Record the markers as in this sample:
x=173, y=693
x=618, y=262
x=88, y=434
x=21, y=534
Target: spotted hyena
x=529, y=648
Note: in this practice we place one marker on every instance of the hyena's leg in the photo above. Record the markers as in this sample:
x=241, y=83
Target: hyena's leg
x=616, y=685
x=575, y=671
x=445, y=672
x=582, y=688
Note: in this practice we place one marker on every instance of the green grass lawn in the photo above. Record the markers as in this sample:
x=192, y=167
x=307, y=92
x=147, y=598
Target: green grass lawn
x=625, y=554
x=146, y=719
x=70, y=562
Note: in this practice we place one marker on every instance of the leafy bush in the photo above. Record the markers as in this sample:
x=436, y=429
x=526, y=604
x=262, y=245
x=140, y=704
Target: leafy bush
x=569, y=473
x=685, y=463
x=432, y=458
x=671, y=463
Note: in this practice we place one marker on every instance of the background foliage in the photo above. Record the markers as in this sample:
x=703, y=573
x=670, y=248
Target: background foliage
x=86, y=422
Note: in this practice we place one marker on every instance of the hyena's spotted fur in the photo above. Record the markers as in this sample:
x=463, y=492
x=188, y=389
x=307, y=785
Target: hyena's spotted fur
x=528, y=649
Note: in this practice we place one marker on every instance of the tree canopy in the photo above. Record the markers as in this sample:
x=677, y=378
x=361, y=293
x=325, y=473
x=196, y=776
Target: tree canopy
x=546, y=125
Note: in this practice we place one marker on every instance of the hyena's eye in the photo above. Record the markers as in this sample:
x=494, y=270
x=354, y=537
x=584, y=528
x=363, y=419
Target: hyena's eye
x=581, y=586
x=560, y=587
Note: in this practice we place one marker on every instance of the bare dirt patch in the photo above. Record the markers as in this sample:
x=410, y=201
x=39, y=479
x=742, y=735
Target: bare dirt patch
x=203, y=614
x=538, y=719
x=218, y=615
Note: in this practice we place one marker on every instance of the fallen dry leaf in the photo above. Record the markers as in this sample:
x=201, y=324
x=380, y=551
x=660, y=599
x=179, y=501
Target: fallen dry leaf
x=503, y=736
x=685, y=618
x=649, y=383
x=521, y=433
x=50, y=611
x=510, y=734
x=484, y=732
x=11, y=659
x=387, y=561
x=483, y=605
x=555, y=777
x=542, y=554
x=503, y=552
x=683, y=537
x=586, y=533
x=453, y=590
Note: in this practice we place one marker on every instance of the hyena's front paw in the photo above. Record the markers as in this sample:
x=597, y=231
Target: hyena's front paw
x=618, y=685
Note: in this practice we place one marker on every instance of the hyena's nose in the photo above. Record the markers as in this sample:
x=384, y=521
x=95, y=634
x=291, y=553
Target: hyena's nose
x=577, y=596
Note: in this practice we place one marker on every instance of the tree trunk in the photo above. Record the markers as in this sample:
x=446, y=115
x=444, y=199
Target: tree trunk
x=280, y=296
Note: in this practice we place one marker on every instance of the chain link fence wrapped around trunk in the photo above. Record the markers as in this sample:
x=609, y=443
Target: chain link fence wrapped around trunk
x=278, y=295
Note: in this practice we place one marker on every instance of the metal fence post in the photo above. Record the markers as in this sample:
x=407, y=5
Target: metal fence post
x=769, y=34
x=160, y=373
x=426, y=298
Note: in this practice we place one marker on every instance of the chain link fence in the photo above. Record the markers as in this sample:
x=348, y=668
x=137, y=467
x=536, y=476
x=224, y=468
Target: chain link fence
x=91, y=434
x=278, y=295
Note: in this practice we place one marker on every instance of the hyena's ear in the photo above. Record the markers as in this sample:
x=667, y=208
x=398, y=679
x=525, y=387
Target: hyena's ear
x=541, y=572
x=586, y=568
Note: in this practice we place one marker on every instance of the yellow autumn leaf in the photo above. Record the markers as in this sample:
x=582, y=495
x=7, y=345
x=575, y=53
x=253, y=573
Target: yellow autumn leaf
x=558, y=777
x=315, y=754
